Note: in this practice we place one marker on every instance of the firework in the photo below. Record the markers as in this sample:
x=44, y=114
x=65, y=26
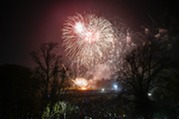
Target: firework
x=81, y=83
x=87, y=39
x=123, y=44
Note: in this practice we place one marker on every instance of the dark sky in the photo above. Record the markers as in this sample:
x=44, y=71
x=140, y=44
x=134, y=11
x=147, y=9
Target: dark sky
x=26, y=24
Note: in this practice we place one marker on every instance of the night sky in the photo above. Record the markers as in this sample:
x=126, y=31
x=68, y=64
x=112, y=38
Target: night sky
x=26, y=24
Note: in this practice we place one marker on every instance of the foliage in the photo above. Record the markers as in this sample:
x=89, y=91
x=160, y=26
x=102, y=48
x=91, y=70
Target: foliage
x=58, y=109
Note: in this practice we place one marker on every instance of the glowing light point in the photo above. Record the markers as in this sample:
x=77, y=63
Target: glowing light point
x=79, y=27
x=149, y=94
x=102, y=90
x=115, y=87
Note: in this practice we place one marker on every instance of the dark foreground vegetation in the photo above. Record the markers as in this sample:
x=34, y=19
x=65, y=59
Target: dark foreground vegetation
x=20, y=100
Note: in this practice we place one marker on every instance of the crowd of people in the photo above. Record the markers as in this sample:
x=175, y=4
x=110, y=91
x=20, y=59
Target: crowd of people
x=97, y=106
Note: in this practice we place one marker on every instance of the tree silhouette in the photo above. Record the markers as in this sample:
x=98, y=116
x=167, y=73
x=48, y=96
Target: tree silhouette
x=50, y=72
x=141, y=72
x=148, y=69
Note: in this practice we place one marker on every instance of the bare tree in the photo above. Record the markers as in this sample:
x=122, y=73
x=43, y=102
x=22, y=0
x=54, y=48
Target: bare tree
x=140, y=74
x=148, y=66
x=50, y=71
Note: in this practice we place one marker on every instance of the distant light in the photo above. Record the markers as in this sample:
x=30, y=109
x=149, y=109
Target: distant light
x=124, y=115
x=115, y=87
x=149, y=94
x=102, y=90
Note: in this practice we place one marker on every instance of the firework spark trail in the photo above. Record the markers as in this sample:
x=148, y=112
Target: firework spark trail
x=87, y=38
x=124, y=43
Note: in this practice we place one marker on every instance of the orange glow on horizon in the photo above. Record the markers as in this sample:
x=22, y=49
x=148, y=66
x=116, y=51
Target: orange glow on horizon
x=83, y=88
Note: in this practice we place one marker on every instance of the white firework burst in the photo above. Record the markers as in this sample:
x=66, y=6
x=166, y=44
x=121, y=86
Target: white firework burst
x=87, y=39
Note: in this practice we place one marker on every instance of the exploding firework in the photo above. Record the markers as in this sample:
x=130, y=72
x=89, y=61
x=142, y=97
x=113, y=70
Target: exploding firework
x=87, y=39
x=81, y=83
x=91, y=41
